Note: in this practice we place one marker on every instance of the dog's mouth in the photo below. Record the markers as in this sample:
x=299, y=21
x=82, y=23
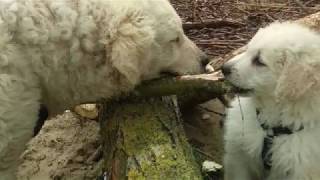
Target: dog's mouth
x=169, y=74
x=240, y=90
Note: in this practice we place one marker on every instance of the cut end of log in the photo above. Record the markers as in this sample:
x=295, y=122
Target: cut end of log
x=87, y=111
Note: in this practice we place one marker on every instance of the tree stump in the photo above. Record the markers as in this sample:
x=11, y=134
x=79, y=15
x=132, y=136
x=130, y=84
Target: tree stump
x=144, y=139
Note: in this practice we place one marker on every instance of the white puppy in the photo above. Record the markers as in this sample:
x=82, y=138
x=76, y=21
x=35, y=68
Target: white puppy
x=274, y=133
x=65, y=52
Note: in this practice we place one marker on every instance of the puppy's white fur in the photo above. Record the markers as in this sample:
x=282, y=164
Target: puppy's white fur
x=66, y=52
x=287, y=91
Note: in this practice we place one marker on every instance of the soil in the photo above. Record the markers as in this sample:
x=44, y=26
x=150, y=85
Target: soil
x=250, y=15
x=66, y=147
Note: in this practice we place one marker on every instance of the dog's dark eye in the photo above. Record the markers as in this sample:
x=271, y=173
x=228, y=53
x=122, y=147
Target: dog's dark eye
x=258, y=61
x=176, y=40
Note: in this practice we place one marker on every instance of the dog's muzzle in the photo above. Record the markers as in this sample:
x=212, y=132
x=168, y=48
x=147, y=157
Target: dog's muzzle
x=227, y=71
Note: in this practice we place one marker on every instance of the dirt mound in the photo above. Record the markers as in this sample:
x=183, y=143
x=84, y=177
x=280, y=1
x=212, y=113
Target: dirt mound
x=65, y=148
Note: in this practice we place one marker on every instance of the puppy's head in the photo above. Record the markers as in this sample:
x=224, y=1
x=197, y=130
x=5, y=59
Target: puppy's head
x=282, y=61
x=150, y=40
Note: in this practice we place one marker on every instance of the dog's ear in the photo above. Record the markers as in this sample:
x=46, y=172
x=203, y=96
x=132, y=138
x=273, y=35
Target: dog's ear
x=297, y=78
x=130, y=47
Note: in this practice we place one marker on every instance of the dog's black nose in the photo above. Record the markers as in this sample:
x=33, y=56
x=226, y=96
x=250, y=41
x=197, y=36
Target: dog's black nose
x=226, y=70
x=204, y=60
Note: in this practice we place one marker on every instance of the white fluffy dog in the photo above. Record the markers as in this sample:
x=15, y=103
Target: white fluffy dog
x=66, y=52
x=274, y=132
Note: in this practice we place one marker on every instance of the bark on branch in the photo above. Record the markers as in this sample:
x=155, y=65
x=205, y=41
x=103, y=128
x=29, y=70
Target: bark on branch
x=212, y=24
x=191, y=88
x=184, y=86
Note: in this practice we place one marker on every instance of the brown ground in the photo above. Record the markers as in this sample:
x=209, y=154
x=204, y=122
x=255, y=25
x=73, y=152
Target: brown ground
x=65, y=149
x=63, y=152
x=250, y=14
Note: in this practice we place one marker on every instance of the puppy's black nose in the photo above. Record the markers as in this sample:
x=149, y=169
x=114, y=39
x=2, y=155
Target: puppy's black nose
x=204, y=60
x=226, y=70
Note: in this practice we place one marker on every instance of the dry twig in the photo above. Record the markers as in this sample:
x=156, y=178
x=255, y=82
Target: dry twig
x=212, y=24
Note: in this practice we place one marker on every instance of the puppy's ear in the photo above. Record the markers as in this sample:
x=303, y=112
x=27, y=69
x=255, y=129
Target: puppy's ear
x=297, y=78
x=130, y=48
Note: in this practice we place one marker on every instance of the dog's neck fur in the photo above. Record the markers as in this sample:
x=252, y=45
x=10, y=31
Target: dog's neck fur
x=272, y=112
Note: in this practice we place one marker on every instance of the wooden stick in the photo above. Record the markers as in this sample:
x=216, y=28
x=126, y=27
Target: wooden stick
x=184, y=86
x=211, y=24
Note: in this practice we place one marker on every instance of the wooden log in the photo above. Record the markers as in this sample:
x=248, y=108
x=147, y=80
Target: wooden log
x=195, y=88
x=144, y=139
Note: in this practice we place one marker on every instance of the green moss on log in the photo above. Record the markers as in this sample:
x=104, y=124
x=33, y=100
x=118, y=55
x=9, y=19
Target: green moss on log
x=152, y=138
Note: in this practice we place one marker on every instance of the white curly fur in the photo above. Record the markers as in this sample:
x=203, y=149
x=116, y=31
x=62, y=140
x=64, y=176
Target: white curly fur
x=286, y=90
x=66, y=52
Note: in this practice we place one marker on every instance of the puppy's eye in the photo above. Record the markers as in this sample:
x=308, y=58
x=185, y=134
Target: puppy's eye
x=257, y=61
x=176, y=40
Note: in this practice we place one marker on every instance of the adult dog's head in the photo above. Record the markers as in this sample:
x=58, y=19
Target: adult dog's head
x=282, y=61
x=149, y=40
